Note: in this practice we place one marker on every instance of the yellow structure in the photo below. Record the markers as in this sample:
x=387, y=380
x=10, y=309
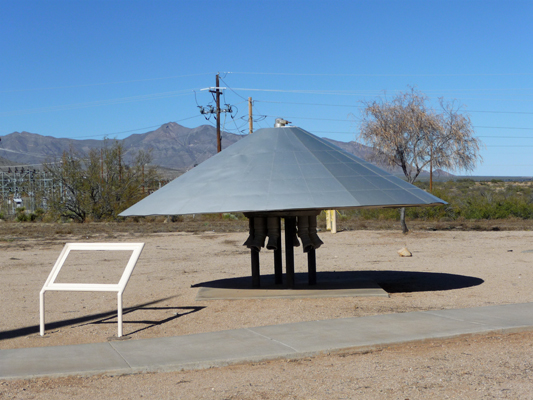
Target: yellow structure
x=331, y=221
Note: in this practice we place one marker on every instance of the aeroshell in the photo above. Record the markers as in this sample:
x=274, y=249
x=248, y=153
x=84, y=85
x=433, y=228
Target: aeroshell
x=281, y=169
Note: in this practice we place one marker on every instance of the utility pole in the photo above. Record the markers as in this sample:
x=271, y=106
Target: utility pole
x=217, y=92
x=250, y=119
x=209, y=110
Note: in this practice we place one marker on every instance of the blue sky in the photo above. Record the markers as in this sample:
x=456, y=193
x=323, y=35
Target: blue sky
x=89, y=69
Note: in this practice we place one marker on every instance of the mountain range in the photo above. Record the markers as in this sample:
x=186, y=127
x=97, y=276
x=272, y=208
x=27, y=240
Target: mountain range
x=174, y=148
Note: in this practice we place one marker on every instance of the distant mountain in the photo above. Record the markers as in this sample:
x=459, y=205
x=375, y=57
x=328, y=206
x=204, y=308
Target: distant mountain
x=357, y=149
x=174, y=147
x=364, y=152
x=6, y=162
x=31, y=148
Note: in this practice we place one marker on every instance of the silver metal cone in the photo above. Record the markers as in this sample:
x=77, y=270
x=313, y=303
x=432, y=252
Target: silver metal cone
x=285, y=169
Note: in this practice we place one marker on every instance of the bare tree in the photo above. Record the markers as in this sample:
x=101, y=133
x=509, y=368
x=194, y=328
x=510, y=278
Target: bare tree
x=407, y=133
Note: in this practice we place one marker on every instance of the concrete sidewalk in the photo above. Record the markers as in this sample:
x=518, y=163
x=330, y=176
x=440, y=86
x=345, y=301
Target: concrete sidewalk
x=262, y=343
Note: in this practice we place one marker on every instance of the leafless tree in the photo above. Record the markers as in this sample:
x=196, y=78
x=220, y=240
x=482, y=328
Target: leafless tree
x=406, y=132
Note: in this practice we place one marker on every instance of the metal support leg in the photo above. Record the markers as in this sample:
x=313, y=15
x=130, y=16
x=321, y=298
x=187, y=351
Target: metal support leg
x=41, y=312
x=119, y=313
x=278, y=259
x=290, y=228
x=311, y=267
x=255, y=268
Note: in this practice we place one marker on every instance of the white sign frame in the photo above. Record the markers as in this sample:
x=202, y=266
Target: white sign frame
x=119, y=287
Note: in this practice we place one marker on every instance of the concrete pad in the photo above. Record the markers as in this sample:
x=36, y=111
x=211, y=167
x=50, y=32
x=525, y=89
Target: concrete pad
x=509, y=316
x=60, y=360
x=200, y=350
x=366, y=331
x=236, y=289
x=261, y=343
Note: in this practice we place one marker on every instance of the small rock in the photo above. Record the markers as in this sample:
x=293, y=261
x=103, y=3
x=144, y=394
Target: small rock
x=404, y=252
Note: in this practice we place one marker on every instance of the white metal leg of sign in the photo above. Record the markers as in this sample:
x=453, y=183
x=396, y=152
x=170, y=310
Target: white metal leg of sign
x=50, y=284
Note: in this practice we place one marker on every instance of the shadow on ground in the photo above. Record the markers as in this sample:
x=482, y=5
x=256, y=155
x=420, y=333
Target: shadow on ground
x=104, y=317
x=149, y=323
x=390, y=281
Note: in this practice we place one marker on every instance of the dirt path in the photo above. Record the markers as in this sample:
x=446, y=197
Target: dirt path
x=447, y=270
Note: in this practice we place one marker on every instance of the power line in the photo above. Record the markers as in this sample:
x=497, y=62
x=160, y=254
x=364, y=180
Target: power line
x=118, y=133
x=357, y=106
x=310, y=104
x=233, y=90
x=309, y=118
x=501, y=112
x=344, y=120
x=377, y=75
x=350, y=133
x=260, y=119
x=138, y=129
x=506, y=137
x=480, y=136
x=308, y=91
x=153, y=96
x=502, y=127
x=102, y=84
x=372, y=93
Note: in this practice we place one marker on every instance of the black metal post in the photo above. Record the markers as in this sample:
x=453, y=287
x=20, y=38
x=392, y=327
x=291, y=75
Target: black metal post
x=311, y=267
x=290, y=228
x=256, y=280
x=278, y=258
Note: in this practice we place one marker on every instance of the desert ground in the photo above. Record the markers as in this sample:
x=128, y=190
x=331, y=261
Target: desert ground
x=448, y=269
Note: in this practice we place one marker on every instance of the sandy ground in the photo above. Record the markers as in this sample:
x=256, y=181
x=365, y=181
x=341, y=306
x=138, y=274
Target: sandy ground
x=448, y=270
